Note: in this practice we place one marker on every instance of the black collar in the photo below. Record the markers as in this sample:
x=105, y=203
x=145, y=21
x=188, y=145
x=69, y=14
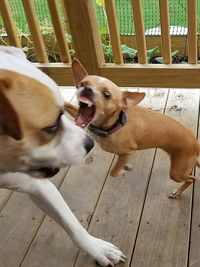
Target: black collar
x=105, y=132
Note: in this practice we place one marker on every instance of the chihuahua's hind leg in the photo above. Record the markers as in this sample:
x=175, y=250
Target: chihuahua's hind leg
x=120, y=165
x=181, y=169
x=175, y=194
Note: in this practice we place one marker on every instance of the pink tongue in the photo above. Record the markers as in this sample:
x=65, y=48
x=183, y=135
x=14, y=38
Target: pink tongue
x=84, y=116
x=80, y=121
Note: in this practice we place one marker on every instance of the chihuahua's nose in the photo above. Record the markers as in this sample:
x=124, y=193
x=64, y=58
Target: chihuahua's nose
x=88, y=144
x=87, y=91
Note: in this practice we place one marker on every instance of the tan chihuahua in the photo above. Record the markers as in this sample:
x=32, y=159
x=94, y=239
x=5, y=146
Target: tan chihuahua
x=120, y=126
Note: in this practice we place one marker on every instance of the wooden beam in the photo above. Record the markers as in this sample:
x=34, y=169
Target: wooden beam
x=36, y=35
x=84, y=29
x=60, y=72
x=153, y=75
x=59, y=31
x=139, y=31
x=65, y=16
x=192, y=31
x=114, y=30
x=178, y=42
x=165, y=34
x=134, y=75
x=11, y=29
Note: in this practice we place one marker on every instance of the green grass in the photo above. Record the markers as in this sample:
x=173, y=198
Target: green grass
x=42, y=12
x=177, y=8
x=178, y=14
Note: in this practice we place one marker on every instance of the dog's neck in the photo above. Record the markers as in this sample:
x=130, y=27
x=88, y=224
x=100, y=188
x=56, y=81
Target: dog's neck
x=104, y=120
x=105, y=129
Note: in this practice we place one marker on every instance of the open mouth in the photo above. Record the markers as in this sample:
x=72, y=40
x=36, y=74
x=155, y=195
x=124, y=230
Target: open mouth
x=45, y=172
x=86, y=112
x=49, y=172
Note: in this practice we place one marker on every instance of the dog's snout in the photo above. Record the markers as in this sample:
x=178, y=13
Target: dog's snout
x=87, y=91
x=88, y=144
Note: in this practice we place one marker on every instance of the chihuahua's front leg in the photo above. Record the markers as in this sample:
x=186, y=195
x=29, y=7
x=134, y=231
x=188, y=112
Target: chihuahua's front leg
x=121, y=165
x=71, y=109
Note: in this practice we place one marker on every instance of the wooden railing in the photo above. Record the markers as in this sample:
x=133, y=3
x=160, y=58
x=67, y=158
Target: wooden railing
x=83, y=26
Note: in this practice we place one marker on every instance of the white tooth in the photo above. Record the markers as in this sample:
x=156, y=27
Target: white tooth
x=89, y=105
x=86, y=101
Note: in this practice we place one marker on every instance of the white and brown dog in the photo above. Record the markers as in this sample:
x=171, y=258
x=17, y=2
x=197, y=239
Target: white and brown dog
x=36, y=139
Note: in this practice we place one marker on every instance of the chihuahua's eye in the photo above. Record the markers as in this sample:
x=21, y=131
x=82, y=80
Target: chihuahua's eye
x=106, y=94
x=82, y=84
x=54, y=128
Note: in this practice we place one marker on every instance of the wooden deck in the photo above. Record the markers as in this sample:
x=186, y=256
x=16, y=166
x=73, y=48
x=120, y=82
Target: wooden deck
x=132, y=211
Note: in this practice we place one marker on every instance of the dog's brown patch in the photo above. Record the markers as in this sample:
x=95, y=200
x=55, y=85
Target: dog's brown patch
x=9, y=120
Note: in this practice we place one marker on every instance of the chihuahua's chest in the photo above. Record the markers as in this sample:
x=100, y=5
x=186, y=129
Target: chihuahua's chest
x=117, y=142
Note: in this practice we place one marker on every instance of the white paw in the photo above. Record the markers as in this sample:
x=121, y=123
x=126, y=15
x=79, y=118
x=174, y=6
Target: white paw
x=128, y=167
x=103, y=252
x=173, y=194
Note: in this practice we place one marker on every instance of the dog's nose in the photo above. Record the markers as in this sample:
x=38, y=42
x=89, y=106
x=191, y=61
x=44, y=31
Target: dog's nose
x=87, y=91
x=88, y=144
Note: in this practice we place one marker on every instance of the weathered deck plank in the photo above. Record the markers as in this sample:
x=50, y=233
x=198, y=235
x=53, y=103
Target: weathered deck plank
x=4, y=197
x=163, y=238
x=132, y=211
x=194, y=255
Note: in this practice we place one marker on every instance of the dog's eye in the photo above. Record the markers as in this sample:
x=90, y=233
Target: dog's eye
x=54, y=128
x=82, y=84
x=106, y=94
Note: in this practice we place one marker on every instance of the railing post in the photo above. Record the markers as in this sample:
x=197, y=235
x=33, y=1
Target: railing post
x=11, y=29
x=84, y=29
x=139, y=31
x=36, y=35
x=192, y=32
x=165, y=31
x=114, y=30
x=59, y=31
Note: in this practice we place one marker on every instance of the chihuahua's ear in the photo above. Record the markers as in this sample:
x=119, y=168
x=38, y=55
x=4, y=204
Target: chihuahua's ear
x=78, y=71
x=130, y=99
x=9, y=120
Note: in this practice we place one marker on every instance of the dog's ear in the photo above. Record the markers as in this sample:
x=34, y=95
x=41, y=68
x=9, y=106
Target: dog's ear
x=130, y=99
x=78, y=72
x=9, y=120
